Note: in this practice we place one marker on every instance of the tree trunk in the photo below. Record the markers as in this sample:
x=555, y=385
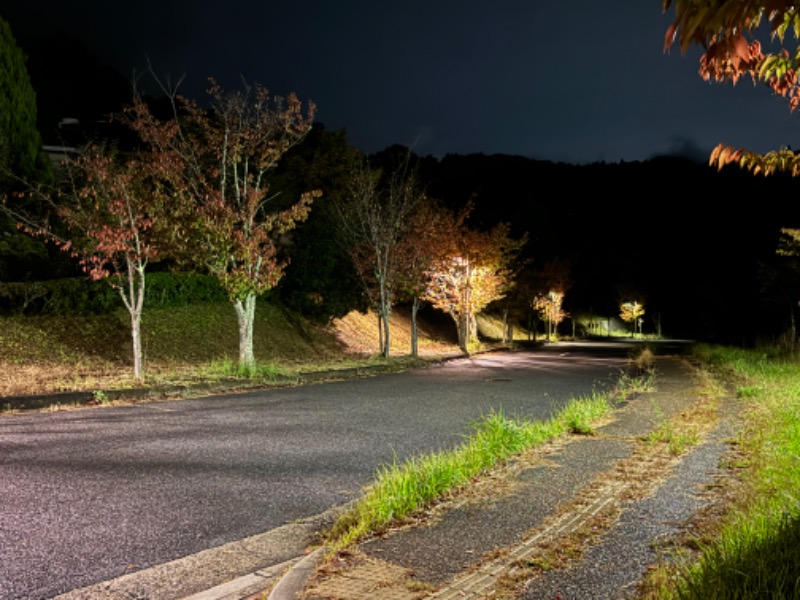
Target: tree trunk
x=380, y=333
x=133, y=298
x=414, y=330
x=462, y=328
x=245, y=315
x=136, y=339
x=384, y=310
x=386, y=338
x=472, y=329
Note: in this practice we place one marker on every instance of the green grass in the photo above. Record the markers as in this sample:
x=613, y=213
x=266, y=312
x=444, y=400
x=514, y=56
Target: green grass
x=227, y=367
x=402, y=490
x=755, y=552
x=677, y=441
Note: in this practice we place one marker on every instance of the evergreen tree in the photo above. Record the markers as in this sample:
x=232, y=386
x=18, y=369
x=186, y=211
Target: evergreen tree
x=21, y=153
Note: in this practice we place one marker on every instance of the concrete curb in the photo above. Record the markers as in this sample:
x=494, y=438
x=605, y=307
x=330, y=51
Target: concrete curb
x=245, y=586
x=293, y=583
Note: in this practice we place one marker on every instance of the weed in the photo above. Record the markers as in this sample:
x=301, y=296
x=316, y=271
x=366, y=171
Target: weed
x=577, y=417
x=677, y=441
x=747, y=391
x=640, y=383
x=100, y=397
x=644, y=360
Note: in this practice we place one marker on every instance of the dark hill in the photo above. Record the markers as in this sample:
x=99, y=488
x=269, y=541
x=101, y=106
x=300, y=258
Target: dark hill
x=698, y=245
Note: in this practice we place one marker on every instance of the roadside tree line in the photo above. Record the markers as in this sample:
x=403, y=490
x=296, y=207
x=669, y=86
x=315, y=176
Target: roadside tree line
x=222, y=186
x=195, y=192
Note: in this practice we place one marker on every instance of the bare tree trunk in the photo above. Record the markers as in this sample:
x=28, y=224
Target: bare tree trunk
x=245, y=315
x=472, y=328
x=384, y=310
x=462, y=328
x=136, y=338
x=380, y=333
x=386, y=337
x=414, y=330
x=133, y=298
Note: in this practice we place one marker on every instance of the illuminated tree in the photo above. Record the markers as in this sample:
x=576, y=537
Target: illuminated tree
x=631, y=312
x=111, y=215
x=730, y=32
x=215, y=163
x=549, y=307
x=541, y=292
x=375, y=218
x=428, y=239
x=476, y=269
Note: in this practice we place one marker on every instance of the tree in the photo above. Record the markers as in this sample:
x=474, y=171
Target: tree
x=541, y=291
x=111, y=215
x=21, y=153
x=375, y=218
x=474, y=270
x=23, y=161
x=426, y=240
x=215, y=163
x=549, y=307
x=320, y=281
x=731, y=32
x=631, y=312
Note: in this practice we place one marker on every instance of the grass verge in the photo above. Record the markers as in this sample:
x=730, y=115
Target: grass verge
x=401, y=490
x=753, y=549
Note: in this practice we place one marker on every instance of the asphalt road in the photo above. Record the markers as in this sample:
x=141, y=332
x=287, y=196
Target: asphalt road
x=91, y=494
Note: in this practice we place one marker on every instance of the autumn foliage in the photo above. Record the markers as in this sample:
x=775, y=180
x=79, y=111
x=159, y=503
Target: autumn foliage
x=731, y=33
x=215, y=163
x=472, y=269
x=110, y=216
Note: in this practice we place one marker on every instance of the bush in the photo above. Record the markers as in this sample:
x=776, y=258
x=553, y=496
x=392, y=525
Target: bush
x=80, y=296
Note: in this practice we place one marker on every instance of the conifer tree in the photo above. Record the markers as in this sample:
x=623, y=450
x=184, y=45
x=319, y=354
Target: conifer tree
x=21, y=153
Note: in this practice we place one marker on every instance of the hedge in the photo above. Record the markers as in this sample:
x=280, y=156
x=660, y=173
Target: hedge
x=80, y=296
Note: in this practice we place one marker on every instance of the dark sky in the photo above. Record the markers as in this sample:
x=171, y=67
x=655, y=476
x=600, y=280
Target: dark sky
x=575, y=81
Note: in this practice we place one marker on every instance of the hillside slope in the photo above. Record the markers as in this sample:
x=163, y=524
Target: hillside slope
x=194, y=343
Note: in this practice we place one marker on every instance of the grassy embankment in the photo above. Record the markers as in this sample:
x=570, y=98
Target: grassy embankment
x=197, y=343
x=751, y=549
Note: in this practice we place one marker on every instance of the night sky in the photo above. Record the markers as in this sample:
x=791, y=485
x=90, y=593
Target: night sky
x=563, y=81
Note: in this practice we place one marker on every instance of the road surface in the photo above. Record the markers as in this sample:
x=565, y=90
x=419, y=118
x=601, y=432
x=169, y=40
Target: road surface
x=91, y=494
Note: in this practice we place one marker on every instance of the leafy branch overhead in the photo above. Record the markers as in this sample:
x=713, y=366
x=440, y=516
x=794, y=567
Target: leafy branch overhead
x=734, y=35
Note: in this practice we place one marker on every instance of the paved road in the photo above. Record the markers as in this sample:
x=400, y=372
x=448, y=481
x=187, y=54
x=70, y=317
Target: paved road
x=88, y=495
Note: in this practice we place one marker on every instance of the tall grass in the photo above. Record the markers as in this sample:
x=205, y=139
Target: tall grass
x=402, y=489
x=756, y=553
